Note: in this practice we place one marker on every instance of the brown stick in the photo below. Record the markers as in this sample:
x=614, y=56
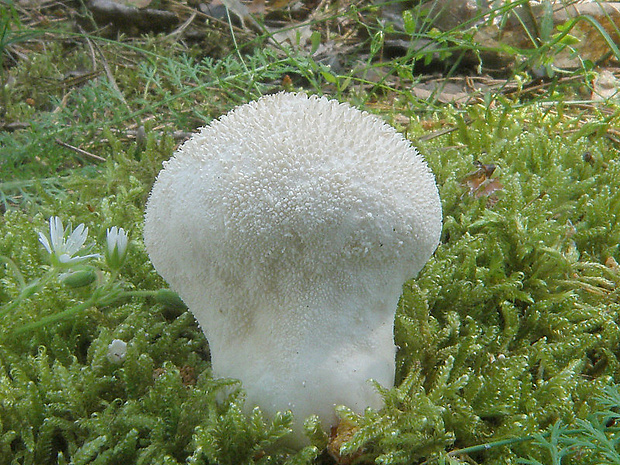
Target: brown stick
x=80, y=151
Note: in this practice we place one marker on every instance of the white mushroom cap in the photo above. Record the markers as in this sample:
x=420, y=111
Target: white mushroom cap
x=288, y=227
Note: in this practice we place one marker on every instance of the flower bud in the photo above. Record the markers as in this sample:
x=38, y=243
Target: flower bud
x=79, y=278
x=170, y=300
x=117, y=351
x=116, y=247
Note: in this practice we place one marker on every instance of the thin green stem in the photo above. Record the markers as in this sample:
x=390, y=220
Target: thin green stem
x=57, y=316
x=98, y=298
x=234, y=39
x=513, y=441
x=139, y=294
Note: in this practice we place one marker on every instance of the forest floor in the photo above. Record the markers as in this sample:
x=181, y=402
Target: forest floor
x=509, y=339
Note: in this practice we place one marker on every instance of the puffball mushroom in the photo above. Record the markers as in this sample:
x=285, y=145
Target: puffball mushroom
x=288, y=227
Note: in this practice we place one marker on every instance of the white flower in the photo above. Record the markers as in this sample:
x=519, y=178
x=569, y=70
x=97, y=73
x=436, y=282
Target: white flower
x=117, y=350
x=63, y=243
x=116, y=249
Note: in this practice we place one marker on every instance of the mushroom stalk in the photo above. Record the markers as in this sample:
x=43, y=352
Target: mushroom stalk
x=288, y=227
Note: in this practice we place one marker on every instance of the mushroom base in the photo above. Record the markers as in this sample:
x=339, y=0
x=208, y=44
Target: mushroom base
x=308, y=359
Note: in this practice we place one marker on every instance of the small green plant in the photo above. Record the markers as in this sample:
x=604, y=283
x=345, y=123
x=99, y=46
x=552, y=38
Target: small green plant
x=73, y=268
x=507, y=341
x=11, y=33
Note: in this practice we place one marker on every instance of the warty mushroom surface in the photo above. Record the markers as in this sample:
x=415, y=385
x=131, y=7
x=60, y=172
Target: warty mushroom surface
x=288, y=227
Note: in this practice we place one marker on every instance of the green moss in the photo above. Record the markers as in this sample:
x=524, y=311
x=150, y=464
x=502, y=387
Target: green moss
x=511, y=329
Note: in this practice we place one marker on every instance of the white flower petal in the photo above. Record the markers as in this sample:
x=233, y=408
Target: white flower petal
x=81, y=258
x=112, y=239
x=63, y=248
x=122, y=241
x=57, y=233
x=43, y=240
x=76, y=239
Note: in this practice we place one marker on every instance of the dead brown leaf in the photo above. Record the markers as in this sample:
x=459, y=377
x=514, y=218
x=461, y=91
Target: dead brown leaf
x=479, y=182
x=340, y=434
